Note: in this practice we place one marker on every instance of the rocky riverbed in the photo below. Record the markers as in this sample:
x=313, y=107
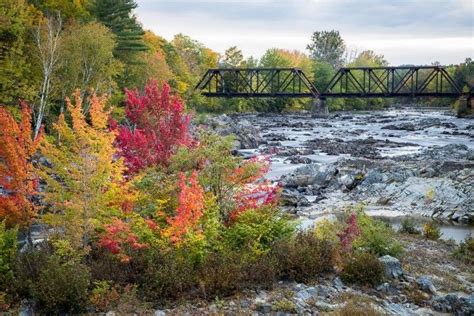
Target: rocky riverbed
x=397, y=163
x=400, y=162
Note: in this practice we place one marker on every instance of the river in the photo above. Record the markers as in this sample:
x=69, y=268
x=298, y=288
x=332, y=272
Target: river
x=393, y=133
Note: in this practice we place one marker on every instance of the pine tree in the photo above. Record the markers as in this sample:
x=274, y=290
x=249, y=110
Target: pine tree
x=117, y=15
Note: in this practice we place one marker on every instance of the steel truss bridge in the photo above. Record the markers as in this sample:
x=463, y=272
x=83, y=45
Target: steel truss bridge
x=352, y=82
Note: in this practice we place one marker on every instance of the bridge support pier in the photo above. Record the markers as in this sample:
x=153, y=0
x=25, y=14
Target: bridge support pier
x=319, y=108
x=465, y=106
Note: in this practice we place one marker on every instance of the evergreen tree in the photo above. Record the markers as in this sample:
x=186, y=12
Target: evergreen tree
x=117, y=15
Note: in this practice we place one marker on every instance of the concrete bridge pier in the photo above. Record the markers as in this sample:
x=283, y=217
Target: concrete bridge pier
x=465, y=106
x=319, y=108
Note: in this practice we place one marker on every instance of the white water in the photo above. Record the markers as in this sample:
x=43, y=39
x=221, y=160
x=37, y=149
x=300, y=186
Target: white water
x=355, y=126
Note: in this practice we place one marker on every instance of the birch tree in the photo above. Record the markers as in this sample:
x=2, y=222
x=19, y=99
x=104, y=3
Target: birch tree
x=47, y=38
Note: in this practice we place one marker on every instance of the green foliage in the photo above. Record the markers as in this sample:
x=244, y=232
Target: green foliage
x=409, y=226
x=305, y=256
x=284, y=305
x=18, y=76
x=8, y=251
x=54, y=278
x=233, y=58
x=362, y=268
x=376, y=237
x=87, y=59
x=104, y=296
x=327, y=46
x=117, y=15
x=328, y=230
x=431, y=231
x=258, y=230
x=465, y=251
x=61, y=287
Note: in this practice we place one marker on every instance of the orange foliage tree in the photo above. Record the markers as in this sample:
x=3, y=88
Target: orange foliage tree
x=190, y=209
x=17, y=177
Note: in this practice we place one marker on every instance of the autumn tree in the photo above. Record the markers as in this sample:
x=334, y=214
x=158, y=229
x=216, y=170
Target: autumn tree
x=157, y=126
x=18, y=181
x=83, y=175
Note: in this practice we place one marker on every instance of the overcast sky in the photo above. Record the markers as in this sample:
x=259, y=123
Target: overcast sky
x=405, y=31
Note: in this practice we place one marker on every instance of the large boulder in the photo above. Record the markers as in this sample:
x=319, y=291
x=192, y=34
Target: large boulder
x=247, y=135
x=392, y=267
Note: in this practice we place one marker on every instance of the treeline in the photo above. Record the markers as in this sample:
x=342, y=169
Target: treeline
x=50, y=48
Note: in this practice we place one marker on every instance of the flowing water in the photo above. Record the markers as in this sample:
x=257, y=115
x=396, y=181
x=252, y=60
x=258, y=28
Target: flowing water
x=362, y=125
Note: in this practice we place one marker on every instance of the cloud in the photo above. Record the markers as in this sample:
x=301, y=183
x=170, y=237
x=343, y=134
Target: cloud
x=405, y=31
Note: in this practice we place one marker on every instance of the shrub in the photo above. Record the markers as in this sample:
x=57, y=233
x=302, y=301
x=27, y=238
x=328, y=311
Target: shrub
x=376, y=237
x=431, y=231
x=104, y=296
x=168, y=274
x=53, y=277
x=8, y=251
x=258, y=229
x=61, y=287
x=328, y=230
x=358, y=306
x=465, y=251
x=305, y=256
x=362, y=268
x=224, y=273
x=284, y=305
x=409, y=226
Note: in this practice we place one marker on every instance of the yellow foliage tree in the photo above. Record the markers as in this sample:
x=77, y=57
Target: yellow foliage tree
x=85, y=183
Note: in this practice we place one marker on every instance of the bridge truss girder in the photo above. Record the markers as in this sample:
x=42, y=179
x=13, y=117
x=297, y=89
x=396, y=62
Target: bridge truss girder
x=257, y=82
x=409, y=81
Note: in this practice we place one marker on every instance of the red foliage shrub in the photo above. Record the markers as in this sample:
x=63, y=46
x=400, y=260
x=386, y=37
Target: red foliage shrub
x=190, y=208
x=157, y=126
x=117, y=237
x=350, y=233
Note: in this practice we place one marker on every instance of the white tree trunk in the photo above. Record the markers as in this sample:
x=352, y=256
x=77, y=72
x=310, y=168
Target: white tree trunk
x=47, y=38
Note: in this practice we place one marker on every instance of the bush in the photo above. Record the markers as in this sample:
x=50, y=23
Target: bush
x=167, y=274
x=376, y=237
x=61, y=287
x=432, y=231
x=258, y=230
x=8, y=251
x=304, y=257
x=104, y=296
x=362, y=268
x=358, y=307
x=465, y=251
x=409, y=226
x=224, y=273
x=53, y=277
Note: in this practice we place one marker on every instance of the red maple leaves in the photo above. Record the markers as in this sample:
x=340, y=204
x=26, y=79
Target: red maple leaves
x=157, y=126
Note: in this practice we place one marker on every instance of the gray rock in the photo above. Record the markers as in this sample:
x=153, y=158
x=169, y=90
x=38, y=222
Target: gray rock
x=293, y=198
x=264, y=308
x=337, y=282
x=392, y=267
x=303, y=295
x=160, y=313
x=426, y=284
